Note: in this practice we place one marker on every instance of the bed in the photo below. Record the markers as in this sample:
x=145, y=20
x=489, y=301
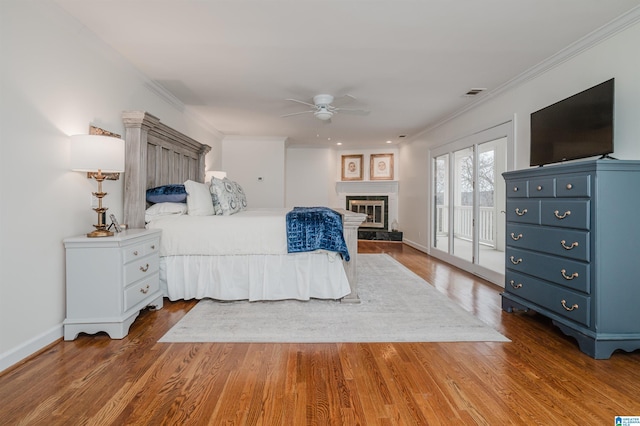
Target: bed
x=192, y=264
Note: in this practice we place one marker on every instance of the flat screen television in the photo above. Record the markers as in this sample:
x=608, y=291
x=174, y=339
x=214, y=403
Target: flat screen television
x=580, y=126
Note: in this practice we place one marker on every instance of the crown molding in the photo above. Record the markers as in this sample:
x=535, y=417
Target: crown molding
x=592, y=39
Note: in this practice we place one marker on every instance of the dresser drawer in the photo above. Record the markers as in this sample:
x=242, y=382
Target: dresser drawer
x=562, y=301
x=142, y=249
x=140, y=268
x=543, y=188
x=563, y=242
x=573, y=186
x=562, y=271
x=137, y=292
x=565, y=213
x=517, y=189
x=523, y=211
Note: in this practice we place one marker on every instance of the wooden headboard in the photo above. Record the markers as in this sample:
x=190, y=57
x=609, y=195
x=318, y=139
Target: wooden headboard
x=155, y=155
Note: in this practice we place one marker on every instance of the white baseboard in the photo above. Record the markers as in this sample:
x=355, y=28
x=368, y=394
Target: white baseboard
x=31, y=346
x=416, y=245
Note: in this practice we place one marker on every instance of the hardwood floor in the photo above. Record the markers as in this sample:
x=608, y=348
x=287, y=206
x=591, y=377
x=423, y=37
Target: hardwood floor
x=540, y=377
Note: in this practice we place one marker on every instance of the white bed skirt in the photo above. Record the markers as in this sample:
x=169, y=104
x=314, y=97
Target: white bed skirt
x=300, y=276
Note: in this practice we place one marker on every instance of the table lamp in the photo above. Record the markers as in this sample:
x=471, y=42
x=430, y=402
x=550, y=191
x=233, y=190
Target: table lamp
x=102, y=157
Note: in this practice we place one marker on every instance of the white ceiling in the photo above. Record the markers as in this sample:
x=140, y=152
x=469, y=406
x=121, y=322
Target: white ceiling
x=408, y=62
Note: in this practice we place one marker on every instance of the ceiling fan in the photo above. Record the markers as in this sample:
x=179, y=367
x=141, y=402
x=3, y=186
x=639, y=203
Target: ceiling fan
x=323, y=109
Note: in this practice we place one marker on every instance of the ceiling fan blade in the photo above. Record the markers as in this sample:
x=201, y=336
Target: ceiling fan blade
x=352, y=111
x=297, y=113
x=301, y=102
x=344, y=99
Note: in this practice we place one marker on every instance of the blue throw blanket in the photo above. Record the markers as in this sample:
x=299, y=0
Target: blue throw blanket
x=315, y=228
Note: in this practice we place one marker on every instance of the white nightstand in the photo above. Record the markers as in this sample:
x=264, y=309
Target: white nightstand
x=109, y=280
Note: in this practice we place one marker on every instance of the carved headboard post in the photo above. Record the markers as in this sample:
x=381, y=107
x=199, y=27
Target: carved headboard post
x=137, y=125
x=155, y=155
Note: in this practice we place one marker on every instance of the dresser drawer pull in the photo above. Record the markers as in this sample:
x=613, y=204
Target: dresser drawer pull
x=144, y=268
x=568, y=277
x=539, y=188
x=521, y=212
x=515, y=189
x=145, y=290
x=562, y=216
x=514, y=260
x=564, y=305
x=515, y=237
x=135, y=253
x=569, y=186
x=566, y=247
x=153, y=247
x=514, y=285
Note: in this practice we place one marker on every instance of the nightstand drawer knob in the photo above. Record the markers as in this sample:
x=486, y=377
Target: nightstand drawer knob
x=153, y=247
x=135, y=253
x=145, y=290
x=144, y=268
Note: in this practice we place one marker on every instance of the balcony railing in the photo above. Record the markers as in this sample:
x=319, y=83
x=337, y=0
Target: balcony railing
x=463, y=223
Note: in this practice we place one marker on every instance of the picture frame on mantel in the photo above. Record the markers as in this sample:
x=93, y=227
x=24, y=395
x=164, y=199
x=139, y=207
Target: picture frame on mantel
x=381, y=167
x=352, y=167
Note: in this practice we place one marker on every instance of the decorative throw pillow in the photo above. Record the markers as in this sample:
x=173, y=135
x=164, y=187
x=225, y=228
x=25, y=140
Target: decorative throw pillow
x=198, y=199
x=164, y=209
x=175, y=193
x=226, y=194
x=242, y=198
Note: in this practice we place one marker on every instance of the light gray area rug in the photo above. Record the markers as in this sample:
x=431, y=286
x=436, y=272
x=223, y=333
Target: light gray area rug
x=397, y=306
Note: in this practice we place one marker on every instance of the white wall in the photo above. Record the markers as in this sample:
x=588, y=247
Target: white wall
x=310, y=177
x=614, y=57
x=56, y=80
x=258, y=165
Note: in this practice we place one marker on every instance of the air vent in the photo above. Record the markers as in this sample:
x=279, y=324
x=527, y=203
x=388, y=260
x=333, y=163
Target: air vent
x=475, y=91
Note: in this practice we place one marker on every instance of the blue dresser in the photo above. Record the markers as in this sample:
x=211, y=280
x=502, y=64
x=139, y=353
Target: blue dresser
x=573, y=250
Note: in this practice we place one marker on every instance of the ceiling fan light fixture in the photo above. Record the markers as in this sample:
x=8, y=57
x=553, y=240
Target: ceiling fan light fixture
x=323, y=114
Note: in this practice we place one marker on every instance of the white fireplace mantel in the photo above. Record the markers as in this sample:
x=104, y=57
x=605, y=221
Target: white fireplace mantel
x=367, y=187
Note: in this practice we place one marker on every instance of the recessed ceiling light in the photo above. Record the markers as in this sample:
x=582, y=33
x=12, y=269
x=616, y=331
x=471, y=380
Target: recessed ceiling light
x=339, y=143
x=389, y=142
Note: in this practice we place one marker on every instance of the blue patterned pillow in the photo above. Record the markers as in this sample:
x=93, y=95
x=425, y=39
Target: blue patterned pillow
x=227, y=198
x=175, y=193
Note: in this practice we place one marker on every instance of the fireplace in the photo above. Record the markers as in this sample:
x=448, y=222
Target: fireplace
x=376, y=207
x=369, y=197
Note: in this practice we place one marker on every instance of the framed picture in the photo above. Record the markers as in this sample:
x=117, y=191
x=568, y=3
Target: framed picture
x=352, y=167
x=381, y=167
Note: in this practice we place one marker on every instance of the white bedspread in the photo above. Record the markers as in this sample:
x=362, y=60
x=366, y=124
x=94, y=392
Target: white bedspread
x=256, y=231
x=242, y=257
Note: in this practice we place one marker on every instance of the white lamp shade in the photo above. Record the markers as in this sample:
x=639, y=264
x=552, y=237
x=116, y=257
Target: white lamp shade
x=90, y=153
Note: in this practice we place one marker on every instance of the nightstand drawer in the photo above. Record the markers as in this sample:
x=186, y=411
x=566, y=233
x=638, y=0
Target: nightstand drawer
x=140, y=269
x=140, y=290
x=140, y=250
x=562, y=301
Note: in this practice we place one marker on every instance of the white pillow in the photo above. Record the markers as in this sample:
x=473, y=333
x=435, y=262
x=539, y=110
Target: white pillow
x=198, y=199
x=164, y=209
